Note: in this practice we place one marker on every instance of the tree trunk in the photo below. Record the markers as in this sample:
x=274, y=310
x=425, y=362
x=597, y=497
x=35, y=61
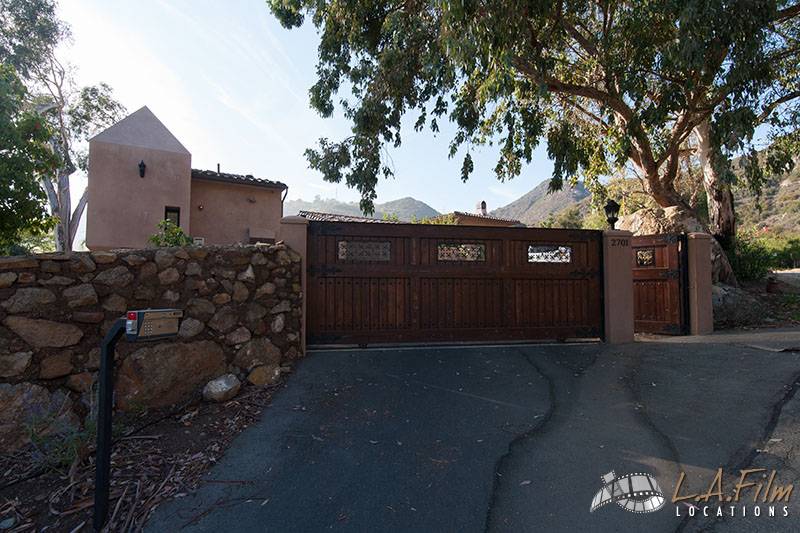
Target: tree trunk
x=721, y=213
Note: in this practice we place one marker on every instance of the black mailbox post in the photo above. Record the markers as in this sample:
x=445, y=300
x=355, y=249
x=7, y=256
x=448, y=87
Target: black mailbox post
x=138, y=326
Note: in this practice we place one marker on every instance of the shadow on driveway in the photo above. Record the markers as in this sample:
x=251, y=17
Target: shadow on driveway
x=511, y=438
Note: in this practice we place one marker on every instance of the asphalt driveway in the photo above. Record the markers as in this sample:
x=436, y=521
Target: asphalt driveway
x=509, y=438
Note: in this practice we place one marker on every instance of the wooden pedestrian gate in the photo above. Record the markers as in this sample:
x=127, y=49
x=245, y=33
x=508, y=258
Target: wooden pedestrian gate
x=660, y=283
x=396, y=283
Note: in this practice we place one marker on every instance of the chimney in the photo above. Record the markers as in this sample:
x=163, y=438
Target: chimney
x=217, y=168
x=481, y=208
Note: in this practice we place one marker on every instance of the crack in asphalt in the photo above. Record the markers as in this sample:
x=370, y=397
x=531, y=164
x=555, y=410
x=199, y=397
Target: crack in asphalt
x=633, y=386
x=545, y=419
x=789, y=392
x=551, y=388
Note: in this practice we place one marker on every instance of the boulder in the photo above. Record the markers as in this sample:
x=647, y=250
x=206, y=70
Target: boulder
x=238, y=336
x=14, y=364
x=169, y=276
x=7, y=279
x=27, y=299
x=119, y=276
x=221, y=298
x=222, y=388
x=240, y=292
x=27, y=409
x=264, y=375
x=193, y=269
x=56, y=366
x=62, y=281
x=224, y=320
x=15, y=262
x=200, y=308
x=102, y=258
x=26, y=277
x=278, y=323
x=115, y=303
x=81, y=264
x=165, y=374
x=163, y=259
x=266, y=289
x=44, y=333
x=50, y=266
x=171, y=296
x=258, y=351
x=180, y=253
x=80, y=382
x=676, y=220
x=190, y=327
x=284, y=307
x=735, y=307
x=247, y=275
x=80, y=295
x=134, y=259
x=147, y=271
x=258, y=259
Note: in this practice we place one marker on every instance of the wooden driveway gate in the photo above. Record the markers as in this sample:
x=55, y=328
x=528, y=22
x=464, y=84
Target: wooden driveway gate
x=659, y=284
x=394, y=283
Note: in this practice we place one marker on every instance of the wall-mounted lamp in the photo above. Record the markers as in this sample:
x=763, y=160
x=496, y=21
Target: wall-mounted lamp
x=142, y=168
x=200, y=207
x=612, y=210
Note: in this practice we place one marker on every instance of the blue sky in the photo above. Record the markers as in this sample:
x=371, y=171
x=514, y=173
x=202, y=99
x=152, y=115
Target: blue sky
x=232, y=85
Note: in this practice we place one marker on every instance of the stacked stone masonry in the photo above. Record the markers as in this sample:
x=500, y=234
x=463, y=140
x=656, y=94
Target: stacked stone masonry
x=242, y=317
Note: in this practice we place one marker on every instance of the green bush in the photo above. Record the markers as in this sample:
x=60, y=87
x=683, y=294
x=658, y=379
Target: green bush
x=169, y=235
x=750, y=258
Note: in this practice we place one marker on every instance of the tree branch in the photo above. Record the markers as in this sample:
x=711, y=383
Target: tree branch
x=75, y=219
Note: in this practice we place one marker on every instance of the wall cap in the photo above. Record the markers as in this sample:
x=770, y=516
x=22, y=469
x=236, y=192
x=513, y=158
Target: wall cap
x=294, y=219
x=617, y=233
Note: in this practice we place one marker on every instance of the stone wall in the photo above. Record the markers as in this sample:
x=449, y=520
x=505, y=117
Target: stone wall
x=242, y=316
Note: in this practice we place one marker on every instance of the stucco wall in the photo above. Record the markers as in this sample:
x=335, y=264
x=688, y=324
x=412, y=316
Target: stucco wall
x=124, y=209
x=230, y=210
x=242, y=315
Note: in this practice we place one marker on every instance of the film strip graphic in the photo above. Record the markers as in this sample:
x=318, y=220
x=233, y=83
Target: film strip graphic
x=637, y=493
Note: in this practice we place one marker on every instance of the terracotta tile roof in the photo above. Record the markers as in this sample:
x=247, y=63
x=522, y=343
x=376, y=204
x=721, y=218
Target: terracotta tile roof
x=239, y=179
x=490, y=217
x=316, y=216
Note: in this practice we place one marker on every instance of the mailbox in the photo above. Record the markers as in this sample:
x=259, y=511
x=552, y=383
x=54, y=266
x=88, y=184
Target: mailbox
x=144, y=325
x=152, y=324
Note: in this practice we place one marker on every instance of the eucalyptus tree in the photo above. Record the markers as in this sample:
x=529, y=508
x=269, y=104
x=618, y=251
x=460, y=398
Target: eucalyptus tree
x=606, y=84
x=73, y=115
x=24, y=158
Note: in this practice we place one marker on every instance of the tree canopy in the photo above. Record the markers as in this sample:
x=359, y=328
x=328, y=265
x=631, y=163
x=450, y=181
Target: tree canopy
x=24, y=157
x=608, y=85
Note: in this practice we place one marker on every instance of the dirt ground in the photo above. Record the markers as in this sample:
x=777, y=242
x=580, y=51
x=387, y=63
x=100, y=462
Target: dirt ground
x=157, y=456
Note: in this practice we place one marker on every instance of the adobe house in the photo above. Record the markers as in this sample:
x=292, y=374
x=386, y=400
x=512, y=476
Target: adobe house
x=481, y=217
x=140, y=174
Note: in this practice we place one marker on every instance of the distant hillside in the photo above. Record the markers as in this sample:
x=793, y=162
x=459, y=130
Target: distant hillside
x=536, y=205
x=780, y=205
x=405, y=208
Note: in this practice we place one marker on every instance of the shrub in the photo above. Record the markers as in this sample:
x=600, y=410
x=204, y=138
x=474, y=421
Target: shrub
x=169, y=234
x=750, y=258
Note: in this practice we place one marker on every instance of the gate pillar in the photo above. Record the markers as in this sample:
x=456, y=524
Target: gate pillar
x=294, y=232
x=617, y=287
x=701, y=313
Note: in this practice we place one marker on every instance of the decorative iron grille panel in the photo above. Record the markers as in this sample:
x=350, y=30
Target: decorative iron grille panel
x=646, y=257
x=549, y=253
x=461, y=252
x=365, y=250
